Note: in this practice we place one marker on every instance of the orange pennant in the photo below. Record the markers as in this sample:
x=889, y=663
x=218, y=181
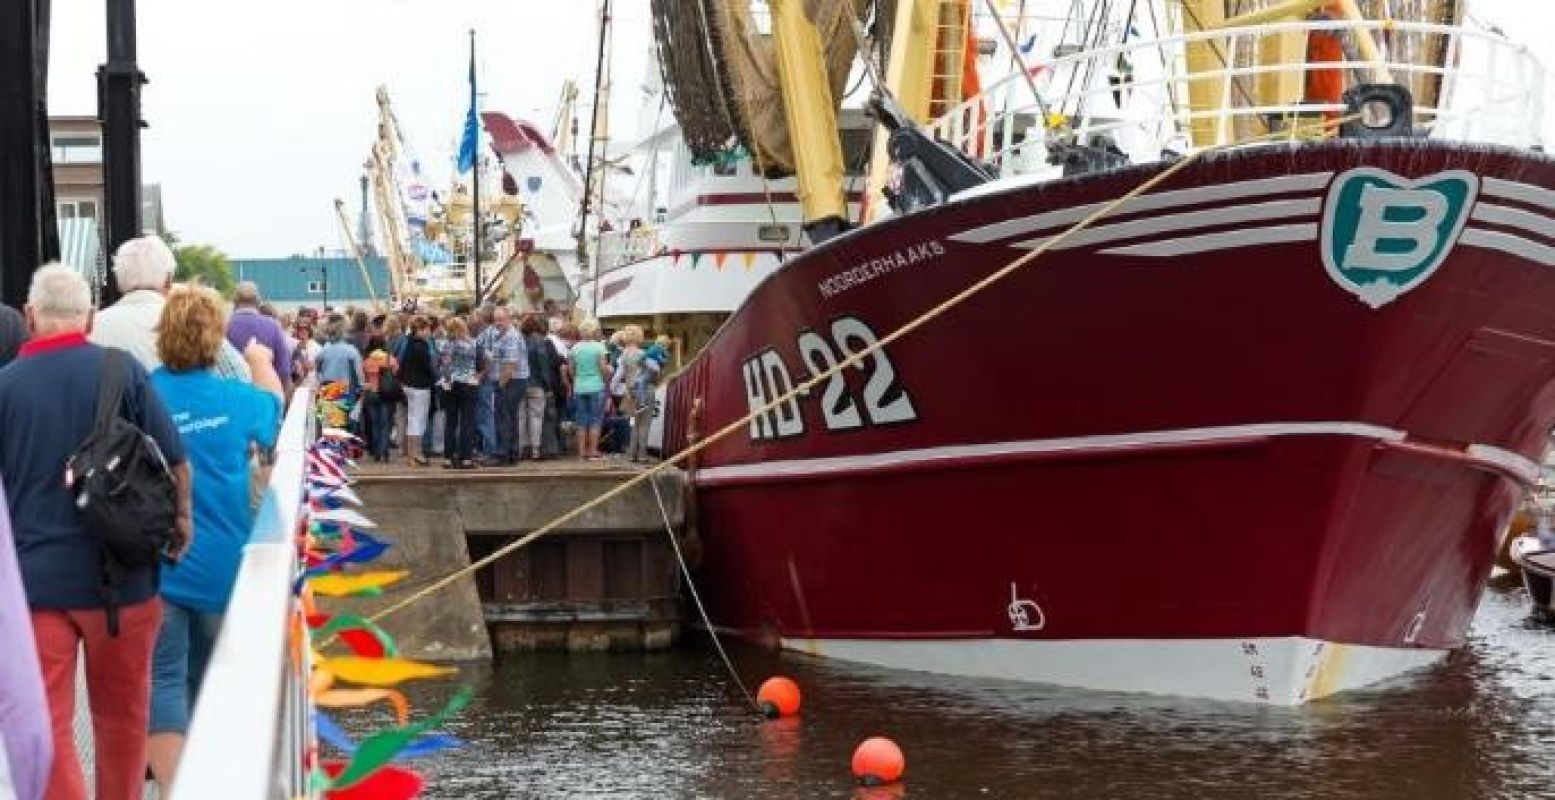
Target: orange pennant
x=355, y=698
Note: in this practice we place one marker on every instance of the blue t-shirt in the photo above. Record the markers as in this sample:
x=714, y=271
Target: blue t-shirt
x=218, y=419
x=48, y=401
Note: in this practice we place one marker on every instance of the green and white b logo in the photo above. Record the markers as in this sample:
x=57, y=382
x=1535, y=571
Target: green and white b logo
x=1384, y=235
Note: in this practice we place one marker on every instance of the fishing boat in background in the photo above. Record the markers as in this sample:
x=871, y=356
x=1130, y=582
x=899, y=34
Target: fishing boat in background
x=1252, y=435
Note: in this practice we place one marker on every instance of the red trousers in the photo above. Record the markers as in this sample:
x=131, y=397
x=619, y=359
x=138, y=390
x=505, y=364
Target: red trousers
x=118, y=681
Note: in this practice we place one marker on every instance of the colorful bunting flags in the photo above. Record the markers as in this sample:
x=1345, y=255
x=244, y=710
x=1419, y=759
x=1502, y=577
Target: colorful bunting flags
x=331, y=539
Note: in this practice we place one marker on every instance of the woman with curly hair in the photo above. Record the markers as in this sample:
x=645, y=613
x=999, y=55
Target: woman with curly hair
x=219, y=420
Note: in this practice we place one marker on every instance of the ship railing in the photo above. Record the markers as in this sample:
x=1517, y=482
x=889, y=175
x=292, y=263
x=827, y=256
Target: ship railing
x=252, y=727
x=618, y=249
x=1491, y=92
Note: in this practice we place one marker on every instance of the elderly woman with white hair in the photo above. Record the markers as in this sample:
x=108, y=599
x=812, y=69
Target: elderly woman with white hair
x=48, y=406
x=143, y=268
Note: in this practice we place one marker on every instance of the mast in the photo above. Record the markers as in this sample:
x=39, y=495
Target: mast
x=475, y=183
x=812, y=120
x=356, y=250
x=599, y=128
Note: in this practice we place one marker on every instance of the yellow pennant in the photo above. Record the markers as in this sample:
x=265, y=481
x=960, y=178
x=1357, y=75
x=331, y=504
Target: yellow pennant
x=339, y=585
x=749, y=258
x=382, y=671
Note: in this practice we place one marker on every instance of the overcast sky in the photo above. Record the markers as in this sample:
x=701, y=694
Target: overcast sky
x=261, y=113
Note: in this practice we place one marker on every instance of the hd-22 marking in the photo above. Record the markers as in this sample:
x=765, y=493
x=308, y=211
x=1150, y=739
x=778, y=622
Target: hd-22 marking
x=880, y=400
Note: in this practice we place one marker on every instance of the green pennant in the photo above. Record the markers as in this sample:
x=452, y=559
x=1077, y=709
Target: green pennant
x=695, y=259
x=381, y=748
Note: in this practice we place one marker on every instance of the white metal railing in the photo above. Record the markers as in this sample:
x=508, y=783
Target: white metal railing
x=1491, y=92
x=253, y=723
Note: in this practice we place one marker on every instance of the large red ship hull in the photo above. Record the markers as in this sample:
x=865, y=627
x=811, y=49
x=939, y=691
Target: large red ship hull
x=1178, y=453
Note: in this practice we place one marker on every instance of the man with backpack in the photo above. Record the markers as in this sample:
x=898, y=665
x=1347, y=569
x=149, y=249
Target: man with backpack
x=82, y=584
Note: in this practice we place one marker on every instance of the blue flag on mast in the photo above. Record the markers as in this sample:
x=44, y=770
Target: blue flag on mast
x=472, y=132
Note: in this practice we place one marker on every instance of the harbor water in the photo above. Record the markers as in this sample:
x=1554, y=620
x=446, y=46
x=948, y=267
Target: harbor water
x=671, y=725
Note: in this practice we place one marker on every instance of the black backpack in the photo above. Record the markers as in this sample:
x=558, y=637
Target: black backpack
x=122, y=488
x=389, y=384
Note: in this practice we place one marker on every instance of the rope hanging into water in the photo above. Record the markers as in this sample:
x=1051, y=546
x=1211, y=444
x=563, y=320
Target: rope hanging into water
x=852, y=361
x=696, y=598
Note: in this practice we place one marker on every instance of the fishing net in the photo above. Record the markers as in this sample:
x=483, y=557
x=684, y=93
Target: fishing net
x=720, y=71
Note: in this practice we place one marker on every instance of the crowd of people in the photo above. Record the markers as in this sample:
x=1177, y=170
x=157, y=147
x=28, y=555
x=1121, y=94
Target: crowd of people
x=207, y=388
x=479, y=387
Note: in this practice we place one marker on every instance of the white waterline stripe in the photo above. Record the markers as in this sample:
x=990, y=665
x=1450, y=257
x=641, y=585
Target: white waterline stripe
x=1509, y=217
x=1529, y=469
x=810, y=467
x=1521, y=192
x=1185, y=221
x=1072, y=444
x=1509, y=244
x=1220, y=192
x=1227, y=240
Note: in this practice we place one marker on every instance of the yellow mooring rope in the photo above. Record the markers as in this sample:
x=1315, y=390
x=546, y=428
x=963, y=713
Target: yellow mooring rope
x=851, y=361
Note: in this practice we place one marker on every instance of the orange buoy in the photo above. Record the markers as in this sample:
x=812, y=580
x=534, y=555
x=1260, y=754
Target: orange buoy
x=778, y=697
x=878, y=761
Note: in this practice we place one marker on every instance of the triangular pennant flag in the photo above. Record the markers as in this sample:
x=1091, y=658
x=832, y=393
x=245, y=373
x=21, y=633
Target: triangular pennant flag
x=343, y=585
x=749, y=258
x=382, y=644
x=388, y=783
x=331, y=734
x=379, y=749
x=344, y=516
x=382, y=671
x=718, y=261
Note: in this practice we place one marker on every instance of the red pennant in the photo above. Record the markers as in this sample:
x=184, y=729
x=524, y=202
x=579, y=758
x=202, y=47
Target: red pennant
x=388, y=782
x=362, y=643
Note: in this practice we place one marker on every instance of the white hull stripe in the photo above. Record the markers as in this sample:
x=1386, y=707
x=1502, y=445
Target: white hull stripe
x=1508, y=217
x=1227, y=240
x=1520, y=192
x=1501, y=242
x=1053, y=221
x=1285, y=670
x=949, y=455
x=1189, y=220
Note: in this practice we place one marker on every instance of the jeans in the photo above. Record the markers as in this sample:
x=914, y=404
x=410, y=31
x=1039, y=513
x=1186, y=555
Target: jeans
x=459, y=443
x=118, y=672
x=551, y=428
x=510, y=399
x=437, y=426
x=178, y=664
x=380, y=415
x=486, y=417
x=588, y=409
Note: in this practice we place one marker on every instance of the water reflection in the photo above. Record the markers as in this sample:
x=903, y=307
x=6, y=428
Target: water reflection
x=670, y=725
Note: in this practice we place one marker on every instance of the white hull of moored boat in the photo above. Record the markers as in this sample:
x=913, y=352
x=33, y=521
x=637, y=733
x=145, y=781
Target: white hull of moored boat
x=1272, y=670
